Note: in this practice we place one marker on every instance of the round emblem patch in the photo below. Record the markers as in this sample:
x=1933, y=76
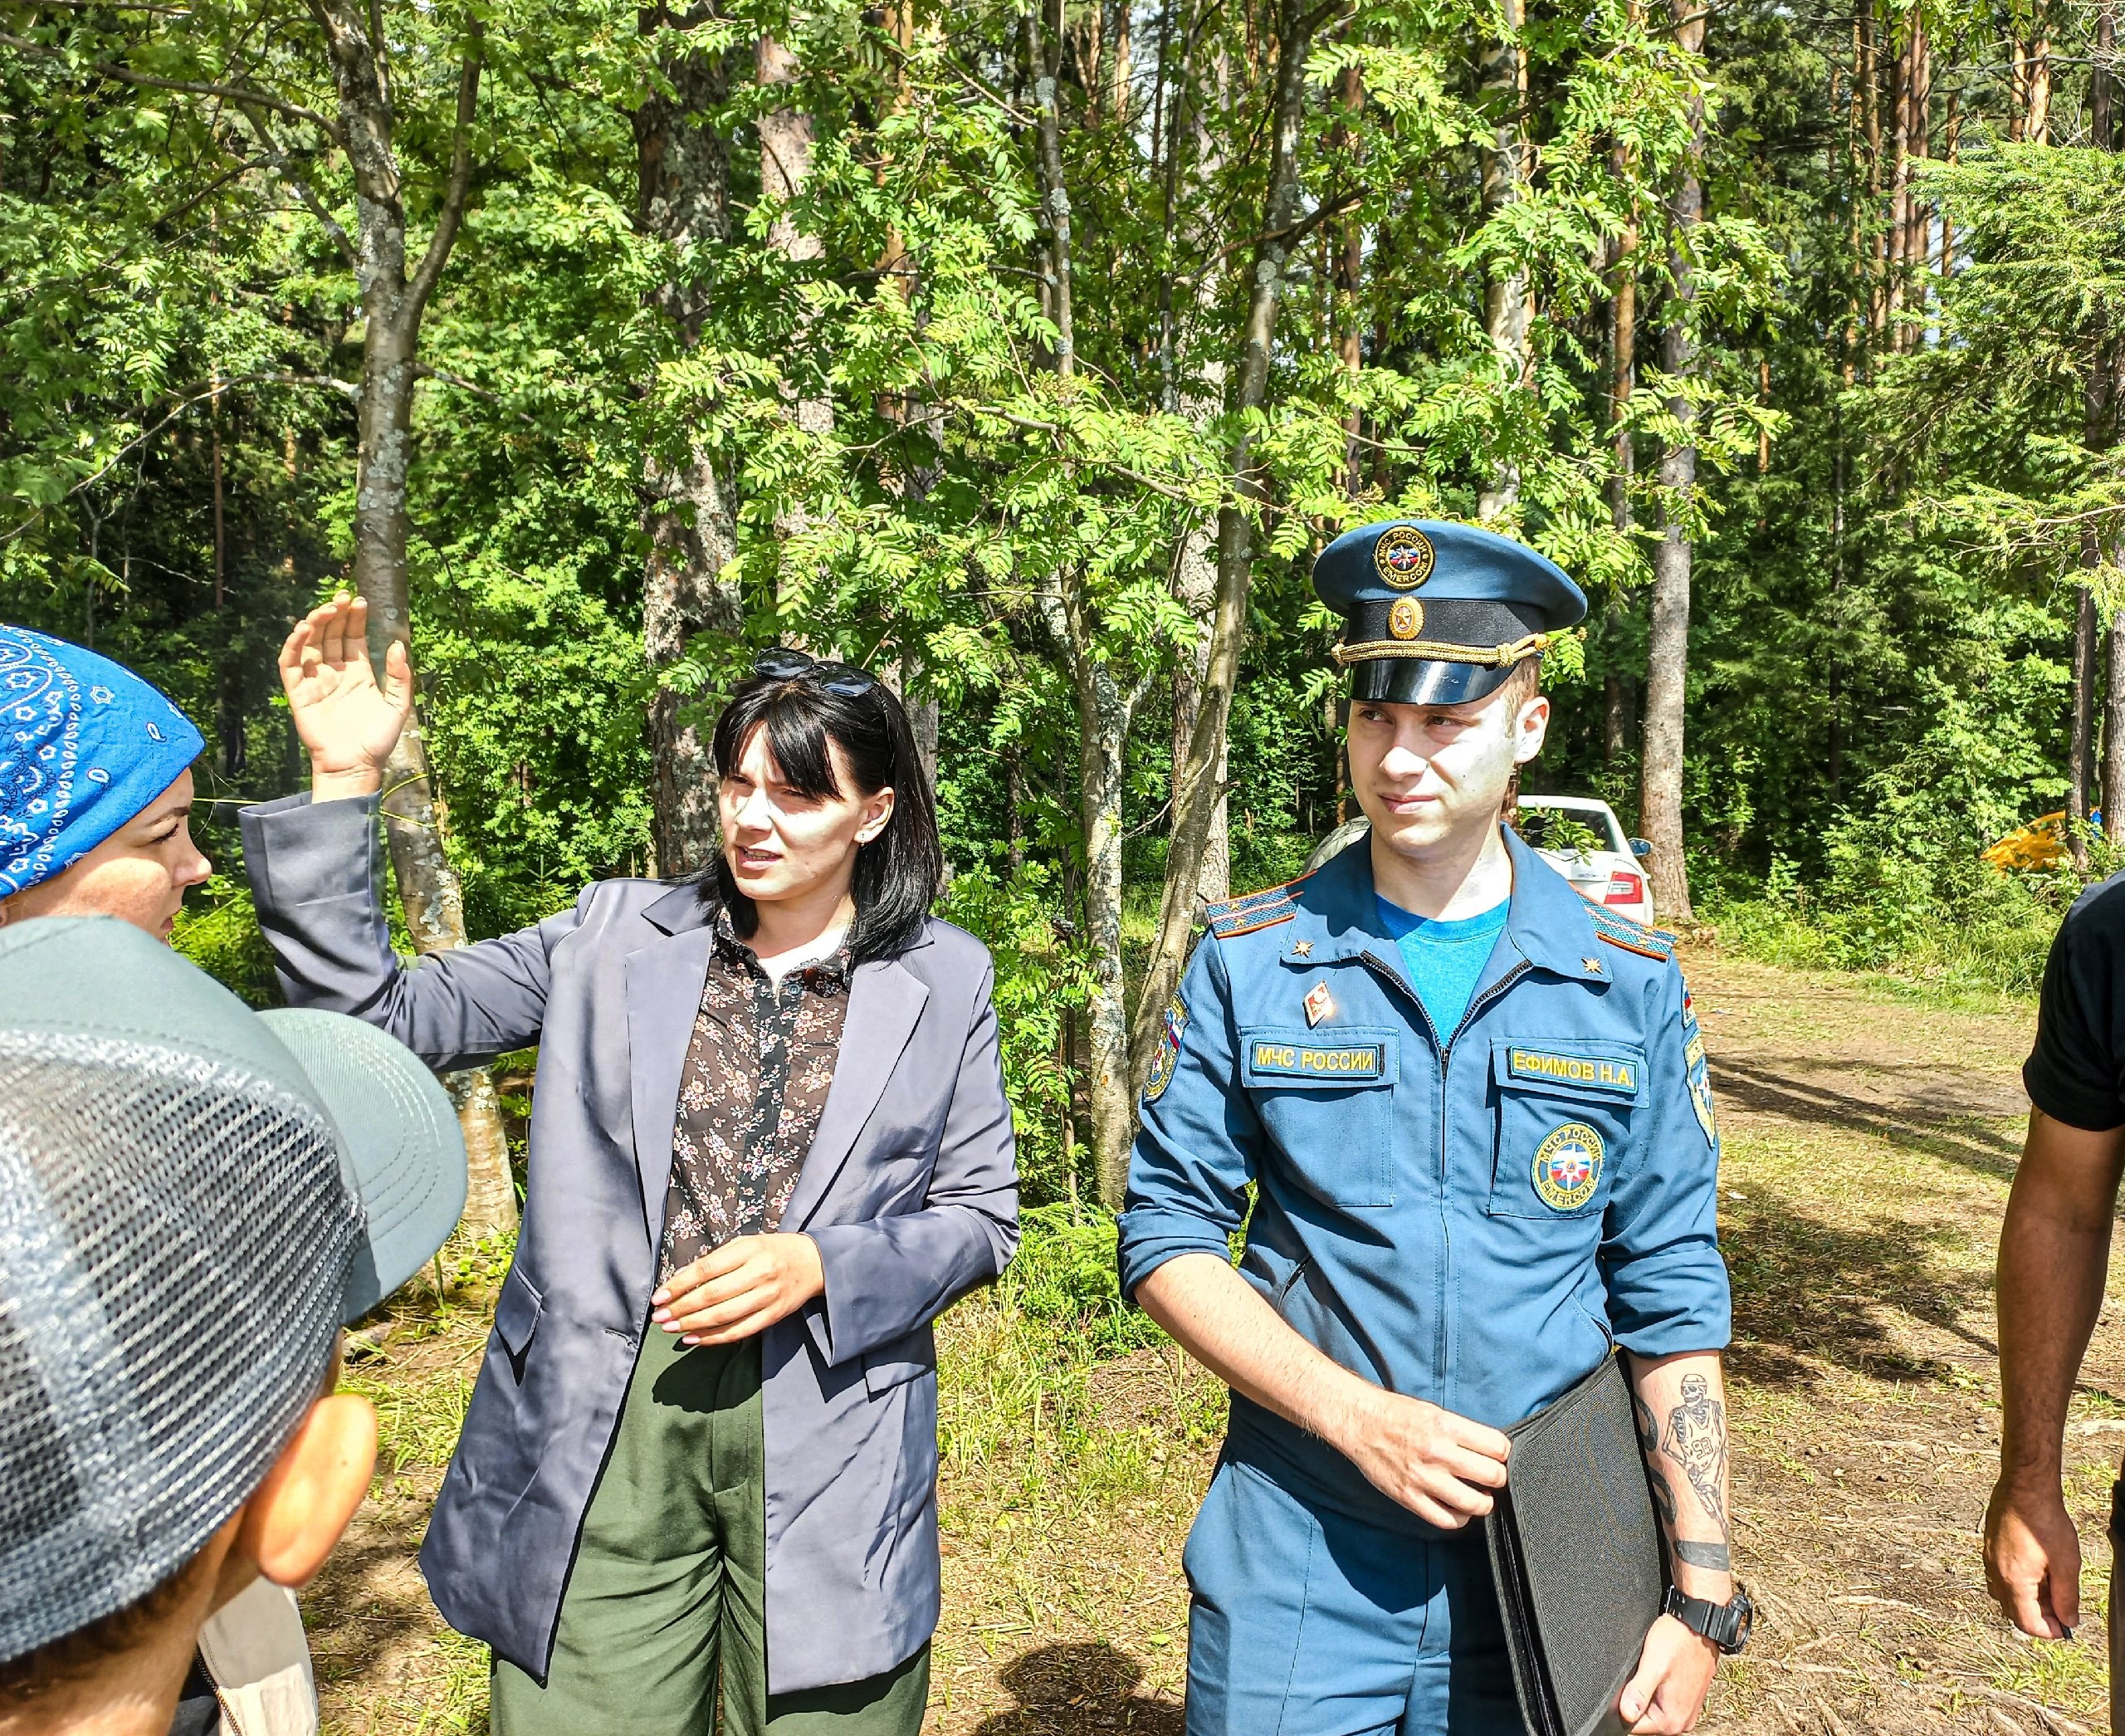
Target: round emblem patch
x=1568, y=1166
x=1406, y=617
x=1174, y=1027
x=1403, y=556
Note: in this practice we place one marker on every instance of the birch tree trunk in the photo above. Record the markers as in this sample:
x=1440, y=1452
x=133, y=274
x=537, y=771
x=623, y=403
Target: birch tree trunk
x=688, y=509
x=393, y=305
x=1667, y=663
x=1104, y=709
x=2081, y=752
x=1195, y=795
x=1197, y=587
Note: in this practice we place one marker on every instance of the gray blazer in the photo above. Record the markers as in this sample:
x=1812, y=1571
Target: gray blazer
x=910, y=1191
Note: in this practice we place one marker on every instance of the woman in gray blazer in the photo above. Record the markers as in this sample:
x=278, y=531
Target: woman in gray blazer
x=696, y=1487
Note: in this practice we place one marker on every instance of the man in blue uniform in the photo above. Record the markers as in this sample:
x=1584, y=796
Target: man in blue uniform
x=1476, y=1113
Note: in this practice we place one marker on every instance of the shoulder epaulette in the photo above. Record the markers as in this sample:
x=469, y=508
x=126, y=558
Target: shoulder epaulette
x=1264, y=909
x=1632, y=937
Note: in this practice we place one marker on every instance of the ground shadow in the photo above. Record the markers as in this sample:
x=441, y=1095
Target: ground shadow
x=1063, y=1690
x=354, y=1623
x=1957, y=1131
x=1829, y=1291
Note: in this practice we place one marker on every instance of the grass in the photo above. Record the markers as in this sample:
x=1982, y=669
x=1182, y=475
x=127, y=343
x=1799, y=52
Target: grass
x=1978, y=965
x=1867, y=1161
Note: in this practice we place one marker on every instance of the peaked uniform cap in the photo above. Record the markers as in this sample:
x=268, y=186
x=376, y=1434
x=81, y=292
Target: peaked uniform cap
x=1437, y=613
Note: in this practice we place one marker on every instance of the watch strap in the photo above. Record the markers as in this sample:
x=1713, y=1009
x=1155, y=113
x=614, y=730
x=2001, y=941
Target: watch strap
x=1725, y=1625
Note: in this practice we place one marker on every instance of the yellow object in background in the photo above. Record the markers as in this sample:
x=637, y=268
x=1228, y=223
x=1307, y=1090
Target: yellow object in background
x=2041, y=844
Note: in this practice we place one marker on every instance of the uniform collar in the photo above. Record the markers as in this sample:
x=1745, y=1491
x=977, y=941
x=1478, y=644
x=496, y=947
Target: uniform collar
x=1547, y=923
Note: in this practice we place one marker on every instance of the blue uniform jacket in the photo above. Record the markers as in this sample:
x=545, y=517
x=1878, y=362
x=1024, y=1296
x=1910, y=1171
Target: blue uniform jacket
x=1467, y=1217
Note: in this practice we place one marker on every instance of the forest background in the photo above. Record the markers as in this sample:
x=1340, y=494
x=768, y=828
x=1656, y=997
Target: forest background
x=1028, y=354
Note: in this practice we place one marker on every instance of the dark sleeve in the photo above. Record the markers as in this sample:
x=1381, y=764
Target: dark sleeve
x=2072, y=1074
x=199, y=1707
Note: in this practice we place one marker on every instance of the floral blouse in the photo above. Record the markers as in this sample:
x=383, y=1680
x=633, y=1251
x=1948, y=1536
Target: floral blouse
x=757, y=1073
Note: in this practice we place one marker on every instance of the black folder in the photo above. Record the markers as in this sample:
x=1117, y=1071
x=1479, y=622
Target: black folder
x=1576, y=1553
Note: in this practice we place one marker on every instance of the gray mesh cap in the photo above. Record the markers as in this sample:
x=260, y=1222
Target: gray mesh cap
x=193, y=1197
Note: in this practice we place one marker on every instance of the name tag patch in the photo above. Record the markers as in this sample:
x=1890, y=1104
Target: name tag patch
x=1617, y=1077
x=1272, y=1059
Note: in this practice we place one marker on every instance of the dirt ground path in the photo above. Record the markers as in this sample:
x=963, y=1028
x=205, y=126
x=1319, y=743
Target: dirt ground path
x=1869, y=1142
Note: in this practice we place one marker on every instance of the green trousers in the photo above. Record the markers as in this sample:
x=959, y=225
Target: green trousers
x=663, y=1627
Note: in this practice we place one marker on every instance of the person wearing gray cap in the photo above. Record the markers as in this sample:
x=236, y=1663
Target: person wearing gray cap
x=194, y=1198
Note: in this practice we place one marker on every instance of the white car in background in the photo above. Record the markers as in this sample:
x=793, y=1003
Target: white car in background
x=1575, y=834
x=1580, y=837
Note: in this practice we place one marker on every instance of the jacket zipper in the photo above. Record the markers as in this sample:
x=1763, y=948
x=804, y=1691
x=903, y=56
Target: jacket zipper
x=1445, y=1053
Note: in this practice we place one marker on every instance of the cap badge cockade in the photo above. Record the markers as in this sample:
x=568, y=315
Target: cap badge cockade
x=1403, y=556
x=1406, y=617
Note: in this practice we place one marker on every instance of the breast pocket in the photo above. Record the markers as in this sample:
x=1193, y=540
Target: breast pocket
x=1327, y=1099
x=1565, y=1110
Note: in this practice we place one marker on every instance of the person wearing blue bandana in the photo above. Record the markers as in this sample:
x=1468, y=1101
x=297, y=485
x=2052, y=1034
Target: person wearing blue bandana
x=95, y=788
x=1473, y=1113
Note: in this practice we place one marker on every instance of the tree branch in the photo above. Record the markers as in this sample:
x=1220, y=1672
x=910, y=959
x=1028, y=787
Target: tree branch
x=1290, y=233
x=1034, y=425
x=213, y=389
x=452, y=213
x=421, y=370
x=240, y=94
x=278, y=161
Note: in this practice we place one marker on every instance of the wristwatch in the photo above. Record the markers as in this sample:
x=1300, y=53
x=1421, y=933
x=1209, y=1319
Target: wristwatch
x=1725, y=1625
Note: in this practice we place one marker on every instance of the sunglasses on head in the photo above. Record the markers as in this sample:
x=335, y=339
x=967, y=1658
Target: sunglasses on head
x=781, y=662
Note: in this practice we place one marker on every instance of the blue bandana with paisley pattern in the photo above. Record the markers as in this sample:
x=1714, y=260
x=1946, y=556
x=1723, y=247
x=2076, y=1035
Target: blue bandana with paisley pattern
x=85, y=745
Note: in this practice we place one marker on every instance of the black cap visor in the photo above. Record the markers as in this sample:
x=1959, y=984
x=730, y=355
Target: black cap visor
x=1421, y=681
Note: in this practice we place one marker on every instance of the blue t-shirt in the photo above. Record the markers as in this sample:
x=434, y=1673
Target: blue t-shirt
x=1445, y=960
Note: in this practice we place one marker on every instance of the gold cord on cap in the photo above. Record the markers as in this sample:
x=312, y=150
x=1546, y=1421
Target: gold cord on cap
x=1436, y=651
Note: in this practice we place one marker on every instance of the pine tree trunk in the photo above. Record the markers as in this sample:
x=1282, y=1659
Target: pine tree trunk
x=2099, y=432
x=688, y=509
x=1660, y=788
x=1918, y=98
x=393, y=305
x=2036, y=121
x=2113, y=736
x=786, y=141
x=1505, y=307
x=1899, y=179
x=1350, y=266
x=2080, y=752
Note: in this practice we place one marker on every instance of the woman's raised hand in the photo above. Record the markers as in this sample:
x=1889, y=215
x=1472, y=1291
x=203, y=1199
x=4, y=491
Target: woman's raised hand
x=347, y=722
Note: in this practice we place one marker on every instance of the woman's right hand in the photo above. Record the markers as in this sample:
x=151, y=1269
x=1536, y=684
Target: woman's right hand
x=346, y=721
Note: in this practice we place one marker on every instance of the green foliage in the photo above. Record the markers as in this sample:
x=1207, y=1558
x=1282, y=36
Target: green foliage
x=1882, y=590
x=218, y=930
x=1041, y=980
x=1063, y=1280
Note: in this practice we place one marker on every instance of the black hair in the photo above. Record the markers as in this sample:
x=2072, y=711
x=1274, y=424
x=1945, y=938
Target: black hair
x=897, y=872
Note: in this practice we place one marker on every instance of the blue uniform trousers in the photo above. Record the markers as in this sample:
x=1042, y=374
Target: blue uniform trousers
x=1306, y=1622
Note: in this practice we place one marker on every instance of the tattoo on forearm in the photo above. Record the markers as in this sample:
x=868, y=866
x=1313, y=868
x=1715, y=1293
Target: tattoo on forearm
x=1649, y=1441
x=1714, y=1558
x=1697, y=1440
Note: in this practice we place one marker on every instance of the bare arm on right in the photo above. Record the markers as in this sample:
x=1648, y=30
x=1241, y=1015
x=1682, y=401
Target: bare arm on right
x=2054, y=1254
x=1442, y=1467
